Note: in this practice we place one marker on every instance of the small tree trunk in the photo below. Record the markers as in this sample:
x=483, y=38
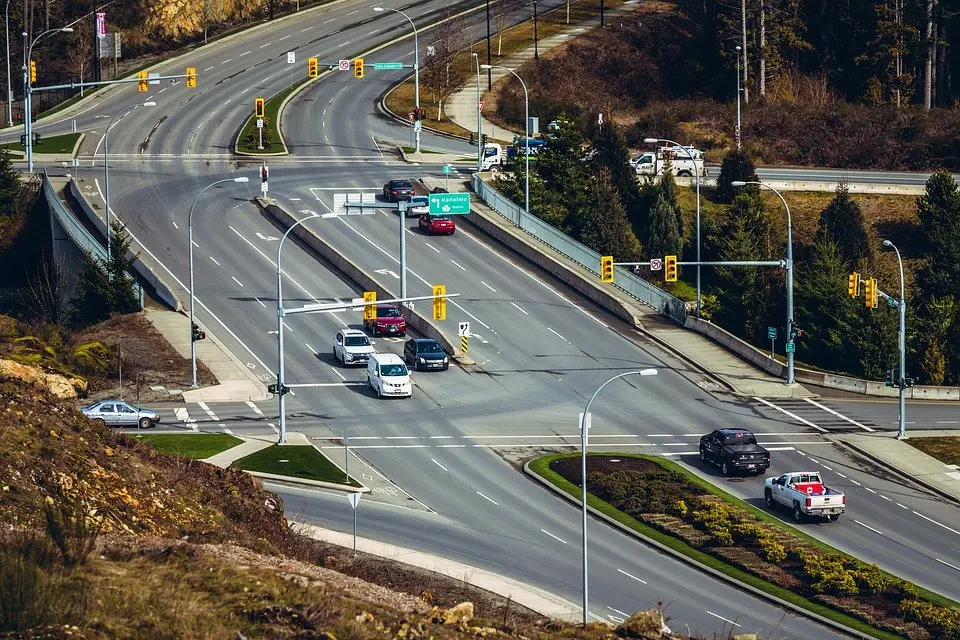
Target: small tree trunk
x=928, y=68
x=743, y=29
x=763, y=49
x=898, y=62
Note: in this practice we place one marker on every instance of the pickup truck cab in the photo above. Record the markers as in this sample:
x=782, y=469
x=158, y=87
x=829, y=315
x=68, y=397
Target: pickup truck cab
x=678, y=159
x=734, y=450
x=804, y=493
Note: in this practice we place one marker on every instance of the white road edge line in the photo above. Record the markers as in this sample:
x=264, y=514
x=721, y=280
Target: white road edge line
x=792, y=415
x=839, y=415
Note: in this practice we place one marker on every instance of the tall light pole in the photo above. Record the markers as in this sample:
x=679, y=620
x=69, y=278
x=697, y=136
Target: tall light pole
x=6, y=22
x=789, y=264
x=280, y=371
x=476, y=58
x=736, y=133
x=526, y=132
x=902, y=307
x=416, y=71
x=106, y=161
x=28, y=89
x=193, y=343
x=584, y=425
x=697, y=171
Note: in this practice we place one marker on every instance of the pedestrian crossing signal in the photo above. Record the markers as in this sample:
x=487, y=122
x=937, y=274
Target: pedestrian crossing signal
x=606, y=268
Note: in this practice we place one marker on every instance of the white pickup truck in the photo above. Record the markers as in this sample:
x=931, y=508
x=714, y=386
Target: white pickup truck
x=804, y=493
x=654, y=163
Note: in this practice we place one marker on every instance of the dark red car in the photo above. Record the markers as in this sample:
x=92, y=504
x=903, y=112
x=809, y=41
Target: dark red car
x=437, y=224
x=389, y=321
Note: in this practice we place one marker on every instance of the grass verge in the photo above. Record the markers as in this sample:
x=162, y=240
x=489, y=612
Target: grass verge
x=272, y=140
x=296, y=461
x=946, y=449
x=197, y=446
x=541, y=466
x=51, y=144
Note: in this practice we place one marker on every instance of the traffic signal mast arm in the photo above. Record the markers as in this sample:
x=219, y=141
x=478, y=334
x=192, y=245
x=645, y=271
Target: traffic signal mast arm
x=343, y=306
x=730, y=263
x=74, y=85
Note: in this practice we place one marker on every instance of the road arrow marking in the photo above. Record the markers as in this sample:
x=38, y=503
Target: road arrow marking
x=268, y=238
x=388, y=272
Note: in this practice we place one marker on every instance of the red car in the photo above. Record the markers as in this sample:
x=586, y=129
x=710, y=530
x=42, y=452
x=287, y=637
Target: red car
x=437, y=224
x=389, y=321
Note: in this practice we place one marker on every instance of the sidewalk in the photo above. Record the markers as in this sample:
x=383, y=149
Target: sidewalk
x=885, y=450
x=248, y=447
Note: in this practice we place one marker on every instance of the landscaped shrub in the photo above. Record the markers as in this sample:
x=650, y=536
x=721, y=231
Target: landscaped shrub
x=717, y=517
x=830, y=574
x=871, y=580
x=945, y=622
x=680, y=506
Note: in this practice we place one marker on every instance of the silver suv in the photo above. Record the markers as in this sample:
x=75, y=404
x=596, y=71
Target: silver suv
x=352, y=347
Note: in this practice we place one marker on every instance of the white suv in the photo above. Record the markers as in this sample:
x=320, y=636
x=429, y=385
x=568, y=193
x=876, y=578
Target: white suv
x=352, y=347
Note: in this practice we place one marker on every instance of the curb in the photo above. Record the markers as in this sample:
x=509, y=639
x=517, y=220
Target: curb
x=929, y=486
x=306, y=482
x=758, y=593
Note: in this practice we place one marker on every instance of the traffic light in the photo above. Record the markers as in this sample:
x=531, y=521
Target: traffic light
x=191, y=77
x=370, y=310
x=853, y=284
x=276, y=389
x=198, y=334
x=358, y=68
x=870, y=293
x=419, y=113
x=670, y=268
x=606, y=268
x=889, y=379
x=264, y=173
x=483, y=139
x=473, y=138
x=439, y=304
x=142, y=86
x=33, y=72
x=258, y=107
x=313, y=68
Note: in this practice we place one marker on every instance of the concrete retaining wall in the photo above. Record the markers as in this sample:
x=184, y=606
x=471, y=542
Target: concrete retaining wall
x=824, y=186
x=356, y=274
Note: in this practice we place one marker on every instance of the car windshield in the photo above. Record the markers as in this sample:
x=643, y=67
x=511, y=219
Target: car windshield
x=429, y=347
x=356, y=341
x=740, y=438
x=402, y=185
x=419, y=201
x=388, y=370
x=388, y=312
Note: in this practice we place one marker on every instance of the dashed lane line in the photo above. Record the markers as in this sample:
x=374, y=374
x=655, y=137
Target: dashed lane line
x=866, y=526
x=487, y=498
x=727, y=620
x=631, y=576
x=553, y=536
x=937, y=523
x=438, y=464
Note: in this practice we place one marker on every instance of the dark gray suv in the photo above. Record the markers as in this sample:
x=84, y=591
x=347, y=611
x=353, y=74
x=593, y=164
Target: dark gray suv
x=424, y=354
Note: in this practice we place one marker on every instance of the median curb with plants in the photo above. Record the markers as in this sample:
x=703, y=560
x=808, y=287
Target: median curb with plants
x=934, y=610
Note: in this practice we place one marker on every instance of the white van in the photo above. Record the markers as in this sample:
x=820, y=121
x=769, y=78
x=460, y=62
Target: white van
x=387, y=375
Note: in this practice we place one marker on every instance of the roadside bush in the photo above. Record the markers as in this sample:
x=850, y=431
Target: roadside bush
x=71, y=528
x=773, y=551
x=871, y=580
x=717, y=518
x=680, y=506
x=941, y=620
x=830, y=574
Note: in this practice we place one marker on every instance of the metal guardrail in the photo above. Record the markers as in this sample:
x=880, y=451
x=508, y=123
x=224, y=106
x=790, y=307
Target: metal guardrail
x=625, y=280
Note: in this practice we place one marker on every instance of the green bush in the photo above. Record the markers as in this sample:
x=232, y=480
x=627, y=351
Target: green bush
x=871, y=580
x=830, y=574
x=941, y=620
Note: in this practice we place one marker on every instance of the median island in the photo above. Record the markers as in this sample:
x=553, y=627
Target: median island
x=662, y=501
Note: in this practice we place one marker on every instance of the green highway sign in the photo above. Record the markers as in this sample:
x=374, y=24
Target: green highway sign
x=772, y=333
x=447, y=169
x=446, y=204
x=382, y=66
x=791, y=347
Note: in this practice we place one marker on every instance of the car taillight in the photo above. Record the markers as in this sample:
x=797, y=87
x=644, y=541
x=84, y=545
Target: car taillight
x=843, y=500
x=809, y=502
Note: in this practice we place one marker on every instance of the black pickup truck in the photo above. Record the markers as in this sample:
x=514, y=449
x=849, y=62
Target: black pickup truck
x=734, y=450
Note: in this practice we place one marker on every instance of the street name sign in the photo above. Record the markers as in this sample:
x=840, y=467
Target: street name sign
x=449, y=203
x=383, y=66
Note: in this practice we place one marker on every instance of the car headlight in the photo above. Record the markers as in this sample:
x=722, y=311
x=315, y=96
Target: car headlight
x=423, y=360
x=444, y=359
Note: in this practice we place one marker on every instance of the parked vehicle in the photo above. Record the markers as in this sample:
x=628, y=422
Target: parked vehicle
x=734, y=450
x=389, y=321
x=418, y=206
x=425, y=354
x=653, y=163
x=805, y=494
x=433, y=224
x=388, y=376
x=351, y=346
x=493, y=158
x=397, y=190
x=117, y=413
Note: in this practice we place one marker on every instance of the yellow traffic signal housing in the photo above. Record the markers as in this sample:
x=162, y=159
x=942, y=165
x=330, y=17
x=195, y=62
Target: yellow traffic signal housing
x=313, y=68
x=33, y=72
x=870, y=293
x=853, y=284
x=258, y=107
x=439, y=304
x=670, y=268
x=370, y=310
x=191, y=77
x=606, y=268
x=142, y=85
x=358, y=68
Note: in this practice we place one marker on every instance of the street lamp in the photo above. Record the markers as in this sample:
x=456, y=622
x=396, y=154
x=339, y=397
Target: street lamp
x=902, y=307
x=28, y=100
x=526, y=131
x=697, y=171
x=476, y=59
x=280, y=372
x=106, y=161
x=584, y=425
x=416, y=71
x=789, y=265
x=193, y=343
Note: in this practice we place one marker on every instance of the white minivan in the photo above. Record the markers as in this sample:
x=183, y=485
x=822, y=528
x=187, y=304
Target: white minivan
x=388, y=376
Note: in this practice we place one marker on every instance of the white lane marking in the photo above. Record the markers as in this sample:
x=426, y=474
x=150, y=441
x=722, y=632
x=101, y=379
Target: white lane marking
x=209, y=412
x=305, y=30
x=839, y=415
x=456, y=263
x=486, y=498
x=265, y=45
x=162, y=90
x=283, y=38
x=432, y=247
x=226, y=61
x=373, y=32
x=557, y=334
x=175, y=225
x=312, y=350
x=630, y=576
x=286, y=325
x=194, y=241
x=377, y=146
x=724, y=619
x=226, y=430
x=870, y=490
x=552, y=536
x=903, y=506
x=260, y=301
x=693, y=453
x=328, y=21
x=438, y=464
x=885, y=498
x=841, y=475
x=866, y=526
x=244, y=53
x=826, y=467
x=255, y=408
x=488, y=286
x=937, y=523
x=626, y=615
x=952, y=566
x=329, y=384
x=792, y=415
x=856, y=483
x=345, y=43
x=214, y=261
x=520, y=308
x=353, y=12
x=207, y=69
x=237, y=281
x=948, y=421
x=342, y=377
x=227, y=102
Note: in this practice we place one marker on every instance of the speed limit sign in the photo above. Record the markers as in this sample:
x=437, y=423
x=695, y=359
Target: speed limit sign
x=656, y=264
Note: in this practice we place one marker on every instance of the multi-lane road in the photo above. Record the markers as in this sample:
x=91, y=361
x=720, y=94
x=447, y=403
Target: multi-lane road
x=444, y=464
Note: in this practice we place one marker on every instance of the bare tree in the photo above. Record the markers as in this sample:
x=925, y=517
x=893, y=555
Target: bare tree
x=743, y=35
x=438, y=73
x=46, y=295
x=79, y=54
x=503, y=8
x=931, y=48
x=763, y=48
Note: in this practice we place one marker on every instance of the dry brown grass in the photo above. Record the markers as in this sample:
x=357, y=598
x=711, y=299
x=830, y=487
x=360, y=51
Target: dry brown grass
x=946, y=449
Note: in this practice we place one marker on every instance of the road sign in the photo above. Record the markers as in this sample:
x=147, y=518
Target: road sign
x=154, y=78
x=463, y=329
x=581, y=422
x=791, y=347
x=339, y=200
x=259, y=123
x=263, y=187
x=354, y=498
x=481, y=104
x=291, y=57
x=383, y=66
x=464, y=344
x=447, y=169
x=449, y=203
x=101, y=25
x=772, y=333
x=344, y=65
x=656, y=264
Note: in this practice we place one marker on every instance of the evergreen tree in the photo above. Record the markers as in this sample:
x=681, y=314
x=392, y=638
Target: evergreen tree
x=9, y=185
x=609, y=149
x=939, y=212
x=842, y=223
x=563, y=172
x=664, y=237
x=123, y=295
x=92, y=296
x=736, y=166
x=606, y=229
x=668, y=187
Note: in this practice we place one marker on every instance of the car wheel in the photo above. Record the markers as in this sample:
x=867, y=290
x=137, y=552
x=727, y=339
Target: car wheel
x=768, y=498
x=100, y=422
x=834, y=517
x=684, y=174
x=797, y=513
x=146, y=423
x=446, y=366
x=725, y=467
